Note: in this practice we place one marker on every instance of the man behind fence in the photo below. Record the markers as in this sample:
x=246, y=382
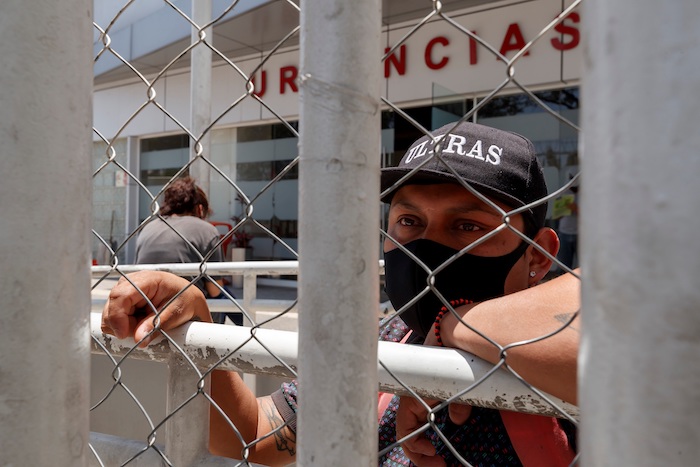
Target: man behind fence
x=433, y=216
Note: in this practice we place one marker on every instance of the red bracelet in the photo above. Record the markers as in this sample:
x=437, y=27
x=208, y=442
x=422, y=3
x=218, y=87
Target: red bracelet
x=441, y=314
x=437, y=325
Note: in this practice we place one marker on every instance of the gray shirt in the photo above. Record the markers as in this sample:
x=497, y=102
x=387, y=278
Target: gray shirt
x=159, y=242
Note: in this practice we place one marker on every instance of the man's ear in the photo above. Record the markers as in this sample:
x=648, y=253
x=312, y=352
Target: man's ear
x=538, y=262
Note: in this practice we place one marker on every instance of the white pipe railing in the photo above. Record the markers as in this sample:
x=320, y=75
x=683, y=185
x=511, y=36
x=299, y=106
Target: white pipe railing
x=250, y=270
x=218, y=268
x=432, y=372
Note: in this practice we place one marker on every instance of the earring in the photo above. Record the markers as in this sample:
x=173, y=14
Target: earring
x=533, y=273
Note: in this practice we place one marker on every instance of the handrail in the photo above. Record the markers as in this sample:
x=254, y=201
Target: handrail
x=217, y=268
x=433, y=372
x=250, y=270
x=260, y=268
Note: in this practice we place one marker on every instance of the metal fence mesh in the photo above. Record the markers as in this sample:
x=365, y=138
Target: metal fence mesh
x=112, y=246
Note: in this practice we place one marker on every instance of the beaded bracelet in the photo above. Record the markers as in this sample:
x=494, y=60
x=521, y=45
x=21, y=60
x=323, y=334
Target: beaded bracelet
x=441, y=314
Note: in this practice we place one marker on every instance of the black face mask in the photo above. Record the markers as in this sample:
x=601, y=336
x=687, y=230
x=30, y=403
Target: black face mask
x=469, y=277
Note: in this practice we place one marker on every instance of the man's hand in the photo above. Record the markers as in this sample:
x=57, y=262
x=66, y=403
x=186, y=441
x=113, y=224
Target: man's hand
x=412, y=415
x=128, y=314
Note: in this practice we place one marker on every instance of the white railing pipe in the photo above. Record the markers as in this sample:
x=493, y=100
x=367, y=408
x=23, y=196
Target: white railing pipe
x=254, y=268
x=437, y=373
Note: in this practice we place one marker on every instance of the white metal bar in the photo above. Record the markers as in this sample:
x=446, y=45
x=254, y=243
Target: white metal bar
x=256, y=268
x=339, y=219
x=640, y=217
x=219, y=268
x=433, y=372
x=45, y=195
x=250, y=288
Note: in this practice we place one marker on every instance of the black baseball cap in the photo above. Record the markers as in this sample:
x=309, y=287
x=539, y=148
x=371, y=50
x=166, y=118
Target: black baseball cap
x=499, y=164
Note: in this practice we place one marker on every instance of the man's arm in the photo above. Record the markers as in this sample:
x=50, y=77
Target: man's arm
x=238, y=402
x=213, y=290
x=549, y=364
x=128, y=314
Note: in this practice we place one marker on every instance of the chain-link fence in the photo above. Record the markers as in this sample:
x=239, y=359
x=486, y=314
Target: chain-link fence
x=304, y=267
x=482, y=385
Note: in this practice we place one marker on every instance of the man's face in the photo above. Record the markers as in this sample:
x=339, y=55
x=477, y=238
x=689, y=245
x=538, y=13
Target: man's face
x=449, y=214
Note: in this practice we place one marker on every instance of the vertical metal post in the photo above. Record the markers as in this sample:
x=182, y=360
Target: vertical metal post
x=45, y=206
x=339, y=151
x=250, y=289
x=187, y=432
x=131, y=217
x=200, y=92
x=639, y=368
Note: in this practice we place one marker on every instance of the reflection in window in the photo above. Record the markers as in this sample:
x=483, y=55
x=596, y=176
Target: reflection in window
x=152, y=177
x=283, y=228
x=558, y=100
x=163, y=143
x=267, y=132
x=266, y=170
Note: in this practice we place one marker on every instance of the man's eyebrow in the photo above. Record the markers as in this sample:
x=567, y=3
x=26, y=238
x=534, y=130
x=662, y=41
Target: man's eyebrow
x=463, y=208
x=404, y=205
x=474, y=207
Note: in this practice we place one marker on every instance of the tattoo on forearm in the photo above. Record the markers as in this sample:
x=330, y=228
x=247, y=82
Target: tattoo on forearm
x=285, y=439
x=566, y=318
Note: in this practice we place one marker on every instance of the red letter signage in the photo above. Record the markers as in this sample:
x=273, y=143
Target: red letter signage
x=514, y=40
x=398, y=63
x=429, y=53
x=261, y=90
x=288, y=76
x=566, y=30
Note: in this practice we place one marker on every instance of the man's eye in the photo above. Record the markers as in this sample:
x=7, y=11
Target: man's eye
x=469, y=227
x=406, y=221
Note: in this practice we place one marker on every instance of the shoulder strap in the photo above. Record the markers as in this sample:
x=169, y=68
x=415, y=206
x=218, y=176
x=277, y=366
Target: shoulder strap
x=538, y=440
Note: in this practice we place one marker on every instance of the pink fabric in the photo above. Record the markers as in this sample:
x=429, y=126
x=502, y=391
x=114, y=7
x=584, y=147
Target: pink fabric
x=538, y=440
x=385, y=397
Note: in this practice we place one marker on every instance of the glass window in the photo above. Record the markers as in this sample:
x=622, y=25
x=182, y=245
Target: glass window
x=263, y=152
x=160, y=159
x=555, y=140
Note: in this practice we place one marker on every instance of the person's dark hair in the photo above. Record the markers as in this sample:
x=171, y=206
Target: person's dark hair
x=204, y=202
x=182, y=198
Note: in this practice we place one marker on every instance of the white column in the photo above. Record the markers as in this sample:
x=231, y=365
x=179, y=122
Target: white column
x=639, y=367
x=133, y=159
x=339, y=148
x=200, y=93
x=45, y=199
